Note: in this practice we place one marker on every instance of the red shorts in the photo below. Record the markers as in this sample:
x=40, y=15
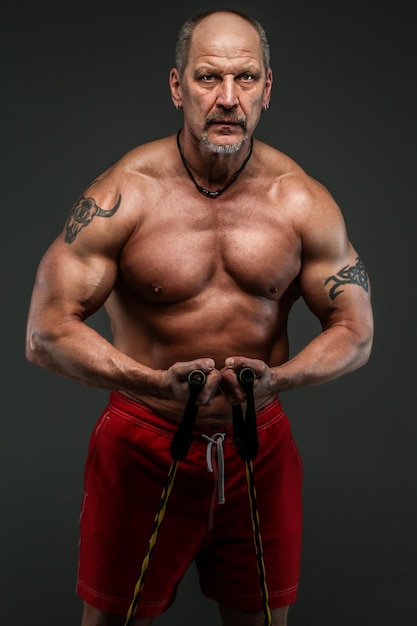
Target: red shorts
x=125, y=474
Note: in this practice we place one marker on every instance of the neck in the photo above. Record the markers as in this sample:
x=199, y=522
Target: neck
x=203, y=190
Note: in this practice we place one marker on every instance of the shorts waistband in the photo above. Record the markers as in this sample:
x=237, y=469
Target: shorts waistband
x=129, y=407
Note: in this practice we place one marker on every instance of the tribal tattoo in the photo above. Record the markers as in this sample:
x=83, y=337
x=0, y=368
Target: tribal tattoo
x=82, y=214
x=349, y=275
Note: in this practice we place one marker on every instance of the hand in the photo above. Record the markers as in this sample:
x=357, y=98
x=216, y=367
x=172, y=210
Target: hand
x=175, y=383
x=232, y=389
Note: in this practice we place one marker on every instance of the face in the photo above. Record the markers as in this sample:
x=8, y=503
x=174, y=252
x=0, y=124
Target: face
x=224, y=85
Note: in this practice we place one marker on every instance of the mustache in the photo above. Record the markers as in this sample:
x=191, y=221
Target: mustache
x=233, y=118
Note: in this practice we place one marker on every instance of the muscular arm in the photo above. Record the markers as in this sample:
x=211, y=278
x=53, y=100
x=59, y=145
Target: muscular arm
x=336, y=288
x=68, y=289
x=74, y=279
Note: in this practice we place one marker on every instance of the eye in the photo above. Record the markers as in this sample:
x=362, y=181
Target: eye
x=247, y=77
x=207, y=78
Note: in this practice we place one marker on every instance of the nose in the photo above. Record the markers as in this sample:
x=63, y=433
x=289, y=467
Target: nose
x=227, y=96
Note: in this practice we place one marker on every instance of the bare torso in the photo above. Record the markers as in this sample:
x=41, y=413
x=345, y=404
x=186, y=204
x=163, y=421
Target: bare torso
x=190, y=282
x=206, y=278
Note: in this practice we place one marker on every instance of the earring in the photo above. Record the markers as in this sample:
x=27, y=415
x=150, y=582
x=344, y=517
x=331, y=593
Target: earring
x=178, y=107
x=266, y=107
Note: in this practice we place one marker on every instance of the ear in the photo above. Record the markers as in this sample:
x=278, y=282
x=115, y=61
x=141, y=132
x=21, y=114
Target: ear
x=267, y=89
x=175, y=87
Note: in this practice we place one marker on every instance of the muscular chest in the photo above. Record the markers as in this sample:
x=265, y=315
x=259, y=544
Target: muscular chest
x=180, y=251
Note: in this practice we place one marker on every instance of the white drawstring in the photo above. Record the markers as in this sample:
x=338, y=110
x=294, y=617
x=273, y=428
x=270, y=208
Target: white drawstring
x=218, y=440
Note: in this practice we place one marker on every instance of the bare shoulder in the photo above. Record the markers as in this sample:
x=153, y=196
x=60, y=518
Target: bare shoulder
x=139, y=168
x=122, y=192
x=148, y=158
x=305, y=201
x=287, y=177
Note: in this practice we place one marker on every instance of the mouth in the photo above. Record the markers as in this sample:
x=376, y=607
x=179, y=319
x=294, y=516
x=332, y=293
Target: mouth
x=224, y=123
x=225, y=126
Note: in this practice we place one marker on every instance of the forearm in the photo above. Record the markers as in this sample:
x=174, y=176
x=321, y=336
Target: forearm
x=78, y=352
x=336, y=351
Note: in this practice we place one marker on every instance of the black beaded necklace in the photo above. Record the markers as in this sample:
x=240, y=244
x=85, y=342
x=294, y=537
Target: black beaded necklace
x=206, y=192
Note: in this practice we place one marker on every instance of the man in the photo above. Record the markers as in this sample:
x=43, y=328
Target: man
x=198, y=245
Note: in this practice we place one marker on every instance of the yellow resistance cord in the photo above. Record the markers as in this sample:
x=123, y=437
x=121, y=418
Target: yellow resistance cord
x=179, y=447
x=247, y=449
x=246, y=442
x=152, y=541
x=258, y=542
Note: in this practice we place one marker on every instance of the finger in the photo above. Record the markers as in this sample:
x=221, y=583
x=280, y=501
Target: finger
x=183, y=369
x=209, y=391
x=236, y=363
x=232, y=390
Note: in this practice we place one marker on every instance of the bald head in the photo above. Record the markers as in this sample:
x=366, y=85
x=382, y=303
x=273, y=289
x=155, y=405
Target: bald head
x=211, y=25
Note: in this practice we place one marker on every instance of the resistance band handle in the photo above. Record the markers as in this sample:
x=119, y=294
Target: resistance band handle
x=196, y=379
x=183, y=436
x=245, y=434
x=246, y=376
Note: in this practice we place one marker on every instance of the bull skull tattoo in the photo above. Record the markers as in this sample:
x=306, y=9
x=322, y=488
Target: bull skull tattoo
x=82, y=213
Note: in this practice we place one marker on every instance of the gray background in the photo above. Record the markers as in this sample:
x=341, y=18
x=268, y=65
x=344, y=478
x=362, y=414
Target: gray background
x=82, y=85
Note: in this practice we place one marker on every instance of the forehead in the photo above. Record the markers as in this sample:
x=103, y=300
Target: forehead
x=222, y=37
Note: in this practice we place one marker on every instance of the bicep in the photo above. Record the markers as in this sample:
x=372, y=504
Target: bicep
x=333, y=280
x=71, y=283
